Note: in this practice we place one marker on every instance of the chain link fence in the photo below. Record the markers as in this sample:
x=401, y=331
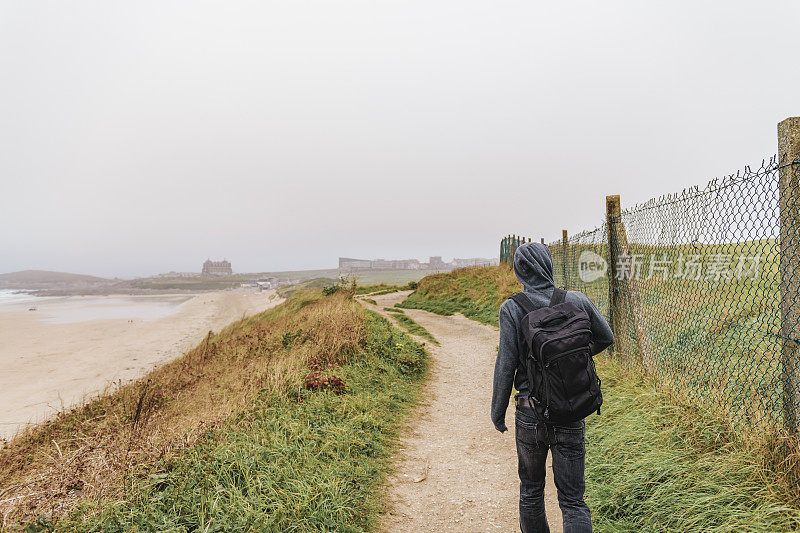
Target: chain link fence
x=695, y=293
x=590, y=249
x=702, y=289
x=509, y=245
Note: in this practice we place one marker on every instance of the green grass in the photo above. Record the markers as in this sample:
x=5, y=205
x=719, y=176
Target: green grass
x=392, y=310
x=382, y=288
x=370, y=301
x=313, y=283
x=655, y=464
x=475, y=292
x=414, y=328
x=393, y=277
x=303, y=461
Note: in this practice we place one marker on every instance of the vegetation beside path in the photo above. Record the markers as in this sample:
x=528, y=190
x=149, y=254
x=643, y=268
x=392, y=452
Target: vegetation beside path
x=654, y=462
x=382, y=288
x=475, y=292
x=282, y=422
x=411, y=326
x=657, y=464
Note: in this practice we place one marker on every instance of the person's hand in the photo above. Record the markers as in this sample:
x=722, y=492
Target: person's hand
x=501, y=428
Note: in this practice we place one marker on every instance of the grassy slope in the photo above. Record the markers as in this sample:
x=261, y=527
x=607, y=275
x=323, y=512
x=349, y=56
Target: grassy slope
x=283, y=422
x=320, y=283
x=313, y=283
x=375, y=277
x=475, y=292
x=382, y=288
x=653, y=463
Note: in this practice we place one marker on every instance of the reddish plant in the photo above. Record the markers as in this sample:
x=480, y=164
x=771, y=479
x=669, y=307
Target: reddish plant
x=317, y=381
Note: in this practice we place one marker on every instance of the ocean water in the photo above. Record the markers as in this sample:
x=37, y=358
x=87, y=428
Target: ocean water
x=13, y=296
x=69, y=309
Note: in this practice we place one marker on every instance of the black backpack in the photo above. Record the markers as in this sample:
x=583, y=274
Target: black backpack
x=564, y=386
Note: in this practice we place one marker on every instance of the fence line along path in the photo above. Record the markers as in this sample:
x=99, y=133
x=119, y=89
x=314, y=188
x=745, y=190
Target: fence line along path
x=702, y=288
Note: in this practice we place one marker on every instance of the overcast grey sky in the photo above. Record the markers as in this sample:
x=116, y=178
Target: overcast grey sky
x=142, y=137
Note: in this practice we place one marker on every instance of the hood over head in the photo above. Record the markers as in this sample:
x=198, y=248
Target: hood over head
x=533, y=266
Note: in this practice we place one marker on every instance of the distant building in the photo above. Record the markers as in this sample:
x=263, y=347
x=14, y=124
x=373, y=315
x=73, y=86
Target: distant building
x=436, y=263
x=407, y=264
x=472, y=261
x=348, y=264
x=217, y=268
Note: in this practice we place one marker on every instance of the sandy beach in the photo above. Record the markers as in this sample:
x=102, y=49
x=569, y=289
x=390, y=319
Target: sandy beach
x=69, y=348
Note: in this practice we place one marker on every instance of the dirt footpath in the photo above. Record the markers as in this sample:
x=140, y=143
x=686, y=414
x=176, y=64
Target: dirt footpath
x=454, y=471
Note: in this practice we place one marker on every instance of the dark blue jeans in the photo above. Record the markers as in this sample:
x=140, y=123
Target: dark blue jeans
x=568, y=446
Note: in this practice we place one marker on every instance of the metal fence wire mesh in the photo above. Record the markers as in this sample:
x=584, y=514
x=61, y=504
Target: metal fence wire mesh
x=588, y=249
x=509, y=245
x=698, y=296
x=702, y=289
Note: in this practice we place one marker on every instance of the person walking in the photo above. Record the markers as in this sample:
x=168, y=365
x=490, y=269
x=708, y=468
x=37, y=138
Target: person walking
x=547, y=340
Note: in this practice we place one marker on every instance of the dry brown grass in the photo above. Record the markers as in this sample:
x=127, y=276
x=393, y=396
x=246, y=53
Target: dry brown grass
x=85, y=452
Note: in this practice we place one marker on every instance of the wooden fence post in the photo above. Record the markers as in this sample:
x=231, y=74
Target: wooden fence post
x=564, y=257
x=614, y=301
x=625, y=290
x=789, y=181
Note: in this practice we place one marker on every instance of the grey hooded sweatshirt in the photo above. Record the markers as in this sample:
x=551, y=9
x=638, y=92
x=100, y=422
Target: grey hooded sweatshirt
x=533, y=266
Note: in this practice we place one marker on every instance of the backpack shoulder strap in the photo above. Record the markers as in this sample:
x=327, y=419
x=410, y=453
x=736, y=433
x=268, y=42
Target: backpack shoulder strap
x=523, y=301
x=559, y=295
